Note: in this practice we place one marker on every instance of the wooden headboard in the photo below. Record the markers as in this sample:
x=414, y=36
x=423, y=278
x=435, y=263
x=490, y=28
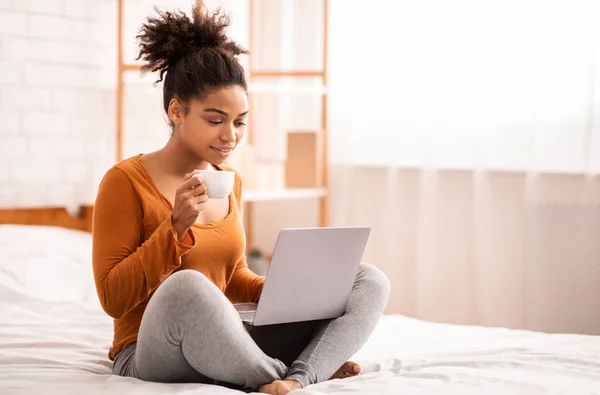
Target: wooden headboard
x=49, y=216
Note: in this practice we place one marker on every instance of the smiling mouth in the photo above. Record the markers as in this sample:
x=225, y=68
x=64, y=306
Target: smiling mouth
x=224, y=150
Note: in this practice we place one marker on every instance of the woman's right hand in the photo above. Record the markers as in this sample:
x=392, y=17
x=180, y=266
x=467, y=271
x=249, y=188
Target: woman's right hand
x=190, y=199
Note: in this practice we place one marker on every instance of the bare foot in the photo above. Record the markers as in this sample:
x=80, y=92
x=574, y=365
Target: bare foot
x=280, y=387
x=348, y=369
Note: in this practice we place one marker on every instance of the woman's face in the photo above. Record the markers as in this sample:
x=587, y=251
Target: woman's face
x=213, y=126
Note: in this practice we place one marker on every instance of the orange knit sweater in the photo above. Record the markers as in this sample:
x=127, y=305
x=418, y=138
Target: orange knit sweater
x=135, y=248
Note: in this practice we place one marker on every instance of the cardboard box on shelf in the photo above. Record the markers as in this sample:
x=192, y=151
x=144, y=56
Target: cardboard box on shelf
x=303, y=163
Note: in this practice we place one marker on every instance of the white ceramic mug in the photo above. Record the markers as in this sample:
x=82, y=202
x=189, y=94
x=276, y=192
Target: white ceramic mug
x=219, y=184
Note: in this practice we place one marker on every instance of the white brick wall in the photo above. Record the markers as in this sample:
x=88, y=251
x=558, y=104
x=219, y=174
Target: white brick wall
x=13, y=23
x=9, y=123
x=36, y=7
x=49, y=27
x=57, y=94
x=57, y=97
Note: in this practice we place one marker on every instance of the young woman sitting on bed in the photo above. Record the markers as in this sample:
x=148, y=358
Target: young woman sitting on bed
x=169, y=263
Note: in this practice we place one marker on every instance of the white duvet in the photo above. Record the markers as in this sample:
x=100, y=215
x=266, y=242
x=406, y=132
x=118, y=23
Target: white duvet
x=54, y=339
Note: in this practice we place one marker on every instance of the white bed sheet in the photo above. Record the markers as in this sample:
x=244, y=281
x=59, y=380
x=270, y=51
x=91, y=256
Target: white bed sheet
x=55, y=341
x=60, y=348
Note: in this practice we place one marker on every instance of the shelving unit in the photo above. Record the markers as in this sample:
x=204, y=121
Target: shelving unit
x=284, y=194
x=320, y=190
x=287, y=192
x=289, y=88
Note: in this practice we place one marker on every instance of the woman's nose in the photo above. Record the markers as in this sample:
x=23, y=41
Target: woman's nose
x=229, y=135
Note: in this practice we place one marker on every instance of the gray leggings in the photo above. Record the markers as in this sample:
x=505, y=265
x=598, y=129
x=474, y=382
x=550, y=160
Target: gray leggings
x=190, y=332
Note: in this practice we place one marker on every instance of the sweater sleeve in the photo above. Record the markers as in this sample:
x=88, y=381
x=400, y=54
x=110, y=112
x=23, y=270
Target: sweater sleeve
x=244, y=285
x=127, y=269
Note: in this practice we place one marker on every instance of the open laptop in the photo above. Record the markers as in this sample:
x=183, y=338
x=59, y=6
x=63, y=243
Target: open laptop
x=311, y=274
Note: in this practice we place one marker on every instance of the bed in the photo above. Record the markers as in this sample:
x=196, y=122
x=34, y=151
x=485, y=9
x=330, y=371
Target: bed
x=54, y=337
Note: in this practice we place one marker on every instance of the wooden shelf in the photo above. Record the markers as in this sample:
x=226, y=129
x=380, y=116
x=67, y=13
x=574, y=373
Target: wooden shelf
x=136, y=67
x=288, y=73
x=131, y=67
x=282, y=194
x=256, y=73
x=287, y=88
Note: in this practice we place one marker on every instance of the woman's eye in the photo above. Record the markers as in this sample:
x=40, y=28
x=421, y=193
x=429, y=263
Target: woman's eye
x=214, y=122
x=240, y=124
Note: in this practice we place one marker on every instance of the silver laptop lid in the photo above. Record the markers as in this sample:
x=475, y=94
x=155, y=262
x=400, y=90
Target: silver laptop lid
x=311, y=274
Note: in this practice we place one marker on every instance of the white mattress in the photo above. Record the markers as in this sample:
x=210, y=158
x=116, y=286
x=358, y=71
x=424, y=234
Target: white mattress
x=54, y=339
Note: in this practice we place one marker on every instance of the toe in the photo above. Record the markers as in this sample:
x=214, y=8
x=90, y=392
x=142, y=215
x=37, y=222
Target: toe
x=282, y=389
x=354, y=367
x=347, y=369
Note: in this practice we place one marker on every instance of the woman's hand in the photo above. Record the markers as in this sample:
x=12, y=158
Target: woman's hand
x=190, y=198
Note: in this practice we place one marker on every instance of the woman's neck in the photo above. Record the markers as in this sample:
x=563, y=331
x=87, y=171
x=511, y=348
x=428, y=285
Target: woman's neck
x=176, y=159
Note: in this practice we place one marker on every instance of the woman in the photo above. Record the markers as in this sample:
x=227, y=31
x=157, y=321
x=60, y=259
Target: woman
x=169, y=263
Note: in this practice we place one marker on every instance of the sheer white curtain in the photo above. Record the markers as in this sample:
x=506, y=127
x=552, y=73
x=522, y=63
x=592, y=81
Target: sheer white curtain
x=467, y=134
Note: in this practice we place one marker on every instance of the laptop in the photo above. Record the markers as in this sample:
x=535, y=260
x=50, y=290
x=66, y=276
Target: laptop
x=310, y=276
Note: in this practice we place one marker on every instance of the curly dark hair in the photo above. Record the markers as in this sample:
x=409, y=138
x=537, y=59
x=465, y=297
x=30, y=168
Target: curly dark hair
x=195, y=54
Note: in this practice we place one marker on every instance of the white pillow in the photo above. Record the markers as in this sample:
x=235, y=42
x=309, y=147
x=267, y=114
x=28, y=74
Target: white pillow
x=46, y=263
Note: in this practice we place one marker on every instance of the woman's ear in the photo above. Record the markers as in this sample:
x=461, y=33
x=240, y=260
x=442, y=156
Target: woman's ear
x=176, y=111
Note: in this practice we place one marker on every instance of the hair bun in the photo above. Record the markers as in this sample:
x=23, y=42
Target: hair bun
x=167, y=37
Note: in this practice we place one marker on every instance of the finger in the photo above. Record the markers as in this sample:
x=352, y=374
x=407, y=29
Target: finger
x=200, y=199
x=193, y=182
x=191, y=193
x=199, y=190
x=190, y=175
